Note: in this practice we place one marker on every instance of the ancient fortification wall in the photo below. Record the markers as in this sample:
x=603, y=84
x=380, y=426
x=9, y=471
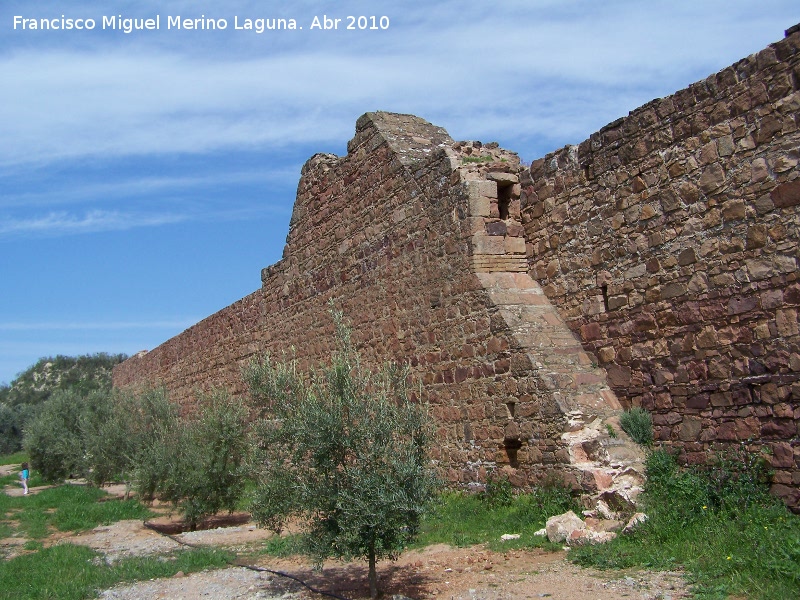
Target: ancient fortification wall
x=665, y=247
x=669, y=242
x=405, y=234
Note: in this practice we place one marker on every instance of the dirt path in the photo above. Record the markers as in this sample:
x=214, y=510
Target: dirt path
x=435, y=572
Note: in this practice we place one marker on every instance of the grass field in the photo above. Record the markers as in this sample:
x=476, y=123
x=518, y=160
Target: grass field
x=716, y=524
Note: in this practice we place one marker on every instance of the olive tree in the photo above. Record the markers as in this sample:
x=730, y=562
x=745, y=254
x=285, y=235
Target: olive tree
x=344, y=451
x=54, y=438
x=195, y=462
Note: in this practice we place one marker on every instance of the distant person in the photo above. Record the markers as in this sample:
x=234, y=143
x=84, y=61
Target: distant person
x=23, y=477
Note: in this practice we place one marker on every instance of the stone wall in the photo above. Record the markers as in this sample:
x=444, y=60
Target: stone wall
x=656, y=262
x=420, y=242
x=668, y=240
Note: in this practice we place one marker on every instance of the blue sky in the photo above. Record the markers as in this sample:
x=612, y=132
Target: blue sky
x=146, y=178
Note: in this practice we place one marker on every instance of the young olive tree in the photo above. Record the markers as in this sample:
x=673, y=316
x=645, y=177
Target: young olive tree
x=344, y=451
x=54, y=438
x=196, y=462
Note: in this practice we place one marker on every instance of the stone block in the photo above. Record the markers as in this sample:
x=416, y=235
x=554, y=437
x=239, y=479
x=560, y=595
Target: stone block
x=497, y=228
x=502, y=178
x=712, y=179
x=514, y=245
x=482, y=189
x=487, y=244
x=689, y=429
x=561, y=527
x=479, y=206
x=786, y=194
x=782, y=429
x=672, y=290
x=786, y=321
x=733, y=210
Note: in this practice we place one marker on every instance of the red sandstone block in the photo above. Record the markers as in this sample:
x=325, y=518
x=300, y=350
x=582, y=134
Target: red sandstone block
x=786, y=194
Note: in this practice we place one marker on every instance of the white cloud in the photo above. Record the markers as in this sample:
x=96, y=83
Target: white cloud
x=193, y=182
x=93, y=221
x=97, y=325
x=477, y=61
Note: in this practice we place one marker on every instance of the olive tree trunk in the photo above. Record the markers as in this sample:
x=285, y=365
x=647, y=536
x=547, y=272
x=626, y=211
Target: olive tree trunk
x=373, y=576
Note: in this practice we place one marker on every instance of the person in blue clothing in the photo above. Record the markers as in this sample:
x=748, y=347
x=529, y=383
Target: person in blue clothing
x=23, y=477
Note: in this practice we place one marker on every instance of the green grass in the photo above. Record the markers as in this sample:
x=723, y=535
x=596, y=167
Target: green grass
x=66, y=508
x=13, y=480
x=638, y=424
x=284, y=545
x=66, y=571
x=69, y=572
x=13, y=459
x=718, y=524
x=465, y=520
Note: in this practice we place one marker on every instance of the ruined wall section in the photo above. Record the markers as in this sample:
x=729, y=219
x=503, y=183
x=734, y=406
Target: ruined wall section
x=385, y=233
x=220, y=345
x=669, y=242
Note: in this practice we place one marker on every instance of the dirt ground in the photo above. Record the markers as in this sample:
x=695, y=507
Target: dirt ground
x=435, y=572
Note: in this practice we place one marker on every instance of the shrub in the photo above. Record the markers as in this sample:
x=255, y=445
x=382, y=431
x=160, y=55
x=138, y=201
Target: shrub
x=498, y=491
x=196, y=463
x=344, y=451
x=111, y=439
x=54, y=440
x=208, y=453
x=12, y=423
x=717, y=522
x=739, y=478
x=153, y=422
x=638, y=424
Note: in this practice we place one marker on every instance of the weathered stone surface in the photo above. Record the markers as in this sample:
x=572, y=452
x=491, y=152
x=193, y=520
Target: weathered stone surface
x=787, y=194
x=561, y=527
x=693, y=223
x=721, y=263
x=634, y=522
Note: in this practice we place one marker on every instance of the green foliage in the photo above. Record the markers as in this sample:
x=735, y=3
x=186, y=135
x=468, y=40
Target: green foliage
x=344, y=451
x=14, y=459
x=54, y=439
x=718, y=522
x=70, y=572
x=112, y=432
x=638, y=424
x=22, y=401
x=739, y=478
x=76, y=435
x=466, y=519
x=498, y=491
x=152, y=426
x=80, y=374
x=200, y=460
x=12, y=423
x=196, y=462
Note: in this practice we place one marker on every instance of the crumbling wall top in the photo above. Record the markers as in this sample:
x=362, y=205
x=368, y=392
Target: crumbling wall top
x=409, y=137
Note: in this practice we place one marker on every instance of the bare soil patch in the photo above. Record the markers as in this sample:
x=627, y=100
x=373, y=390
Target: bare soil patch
x=438, y=571
x=169, y=526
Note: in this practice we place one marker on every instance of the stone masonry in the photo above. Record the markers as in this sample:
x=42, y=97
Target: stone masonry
x=654, y=264
x=668, y=241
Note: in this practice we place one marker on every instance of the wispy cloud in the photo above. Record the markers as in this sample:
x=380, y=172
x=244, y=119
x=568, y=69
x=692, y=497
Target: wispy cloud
x=196, y=98
x=167, y=186
x=97, y=325
x=96, y=221
x=59, y=223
